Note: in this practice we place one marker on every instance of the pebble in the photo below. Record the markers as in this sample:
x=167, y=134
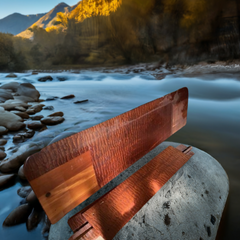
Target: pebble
x=68, y=96
x=82, y=101
x=29, y=134
x=2, y=155
x=52, y=120
x=2, y=148
x=35, y=109
x=56, y=114
x=38, y=117
x=62, y=78
x=3, y=130
x=18, y=138
x=34, y=218
x=35, y=125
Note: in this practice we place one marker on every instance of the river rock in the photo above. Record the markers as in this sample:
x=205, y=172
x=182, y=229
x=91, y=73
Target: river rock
x=35, y=109
x=18, y=138
x=44, y=79
x=68, y=96
x=48, y=108
x=22, y=115
x=21, y=173
x=82, y=101
x=29, y=134
x=5, y=179
x=2, y=155
x=18, y=158
x=12, y=86
x=21, y=109
x=11, y=104
x=32, y=198
x=5, y=95
x=3, y=130
x=62, y=79
x=35, y=125
x=38, y=117
x=18, y=215
x=3, y=142
x=10, y=120
x=34, y=218
x=23, y=192
x=28, y=90
x=11, y=75
x=56, y=114
x=2, y=148
x=52, y=120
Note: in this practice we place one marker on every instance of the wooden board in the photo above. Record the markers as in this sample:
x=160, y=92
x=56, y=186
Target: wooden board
x=111, y=147
x=106, y=216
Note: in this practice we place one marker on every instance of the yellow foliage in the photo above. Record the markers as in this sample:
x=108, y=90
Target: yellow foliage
x=51, y=29
x=89, y=8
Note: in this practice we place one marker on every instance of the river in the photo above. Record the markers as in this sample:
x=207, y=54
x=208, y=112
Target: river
x=213, y=122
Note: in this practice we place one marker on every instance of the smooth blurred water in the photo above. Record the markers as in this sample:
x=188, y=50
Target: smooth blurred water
x=213, y=121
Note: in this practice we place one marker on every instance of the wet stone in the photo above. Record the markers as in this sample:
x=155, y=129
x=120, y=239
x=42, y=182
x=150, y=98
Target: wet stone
x=24, y=191
x=51, y=98
x=38, y=117
x=3, y=130
x=3, y=142
x=56, y=114
x=22, y=115
x=46, y=78
x=2, y=155
x=82, y=101
x=35, y=125
x=68, y=96
x=52, y=120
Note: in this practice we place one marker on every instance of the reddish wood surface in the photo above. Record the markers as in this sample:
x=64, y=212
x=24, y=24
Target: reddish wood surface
x=112, y=146
x=111, y=212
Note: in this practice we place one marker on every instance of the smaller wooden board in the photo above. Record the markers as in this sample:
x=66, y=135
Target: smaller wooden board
x=105, y=217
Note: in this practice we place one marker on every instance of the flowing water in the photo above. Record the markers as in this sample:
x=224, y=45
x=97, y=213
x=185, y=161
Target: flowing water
x=213, y=122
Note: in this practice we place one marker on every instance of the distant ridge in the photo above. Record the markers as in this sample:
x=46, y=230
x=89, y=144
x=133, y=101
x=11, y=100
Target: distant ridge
x=48, y=19
x=16, y=22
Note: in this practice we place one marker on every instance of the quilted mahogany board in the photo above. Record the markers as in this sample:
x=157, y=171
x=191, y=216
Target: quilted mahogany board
x=67, y=172
x=106, y=216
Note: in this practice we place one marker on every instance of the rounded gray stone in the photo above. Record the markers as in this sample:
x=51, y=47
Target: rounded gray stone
x=189, y=206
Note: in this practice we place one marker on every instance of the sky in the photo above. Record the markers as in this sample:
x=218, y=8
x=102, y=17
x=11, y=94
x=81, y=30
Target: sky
x=26, y=7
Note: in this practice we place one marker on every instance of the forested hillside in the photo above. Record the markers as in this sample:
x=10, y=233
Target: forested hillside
x=107, y=32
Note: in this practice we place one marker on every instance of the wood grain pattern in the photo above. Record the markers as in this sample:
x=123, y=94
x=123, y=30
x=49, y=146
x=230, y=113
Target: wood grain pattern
x=111, y=212
x=113, y=145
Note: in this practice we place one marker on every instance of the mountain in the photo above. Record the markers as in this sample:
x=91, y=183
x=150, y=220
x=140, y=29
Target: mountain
x=16, y=22
x=48, y=19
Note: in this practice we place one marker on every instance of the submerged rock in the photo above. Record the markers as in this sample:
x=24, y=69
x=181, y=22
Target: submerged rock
x=23, y=192
x=68, y=96
x=82, y=101
x=3, y=130
x=11, y=75
x=5, y=179
x=18, y=215
x=51, y=98
x=48, y=108
x=2, y=155
x=52, y=120
x=10, y=120
x=44, y=79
